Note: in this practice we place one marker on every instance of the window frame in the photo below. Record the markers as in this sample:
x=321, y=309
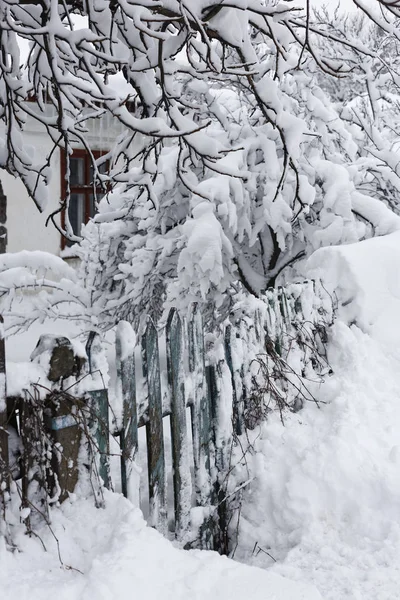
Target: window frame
x=86, y=189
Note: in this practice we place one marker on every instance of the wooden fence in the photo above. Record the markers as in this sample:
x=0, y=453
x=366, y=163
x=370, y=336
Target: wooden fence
x=200, y=402
x=212, y=375
x=215, y=376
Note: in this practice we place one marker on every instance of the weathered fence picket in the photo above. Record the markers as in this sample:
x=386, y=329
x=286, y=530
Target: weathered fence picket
x=179, y=438
x=284, y=305
x=125, y=357
x=99, y=408
x=201, y=423
x=101, y=432
x=201, y=410
x=3, y=408
x=154, y=430
x=221, y=404
x=237, y=386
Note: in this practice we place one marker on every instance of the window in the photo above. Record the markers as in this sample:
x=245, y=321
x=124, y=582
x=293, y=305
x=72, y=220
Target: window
x=83, y=197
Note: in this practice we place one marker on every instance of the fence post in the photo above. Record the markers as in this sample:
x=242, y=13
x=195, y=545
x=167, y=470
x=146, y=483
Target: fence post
x=154, y=430
x=180, y=450
x=275, y=329
x=3, y=407
x=3, y=221
x=221, y=390
x=201, y=422
x=125, y=356
x=60, y=427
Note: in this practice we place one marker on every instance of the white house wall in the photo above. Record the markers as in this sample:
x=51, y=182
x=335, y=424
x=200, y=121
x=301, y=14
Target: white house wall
x=25, y=224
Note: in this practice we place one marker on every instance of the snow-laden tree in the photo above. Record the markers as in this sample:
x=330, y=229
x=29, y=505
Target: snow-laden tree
x=234, y=164
x=368, y=101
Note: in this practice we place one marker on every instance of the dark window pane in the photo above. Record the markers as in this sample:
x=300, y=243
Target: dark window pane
x=77, y=170
x=102, y=169
x=93, y=203
x=84, y=196
x=76, y=212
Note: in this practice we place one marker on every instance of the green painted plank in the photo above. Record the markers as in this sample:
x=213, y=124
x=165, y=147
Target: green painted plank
x=201, y=427
x=125, y=358
x=221, y=389
x=154, y=430
x=201, y=418
x=99, y=412
x=4, y=466
x=284, y=308
x=274, y=302
x=101, y=431
x=237, y=394
x=179, y=435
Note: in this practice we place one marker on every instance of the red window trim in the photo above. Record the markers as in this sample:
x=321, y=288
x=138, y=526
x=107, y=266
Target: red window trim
x=86, y=189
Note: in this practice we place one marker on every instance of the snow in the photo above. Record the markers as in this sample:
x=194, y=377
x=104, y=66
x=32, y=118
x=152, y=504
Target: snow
x=366, y=277
x=324, y=504
x=321, y=496
x=20, y=376
x=320, y=487
x=38, y=261
x=127, y=339
x=203, y=257
x=111, y=553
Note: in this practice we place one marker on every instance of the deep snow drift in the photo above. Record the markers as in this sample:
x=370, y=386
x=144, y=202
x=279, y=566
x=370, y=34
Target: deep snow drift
x=326, y=500
x=111, y=554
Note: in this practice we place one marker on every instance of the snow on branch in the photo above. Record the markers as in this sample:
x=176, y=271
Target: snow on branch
x=235, y=161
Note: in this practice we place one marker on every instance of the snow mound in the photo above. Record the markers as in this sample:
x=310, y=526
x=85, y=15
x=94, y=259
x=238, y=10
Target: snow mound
x=326, y=500
x=111, y=553
x=366, y=279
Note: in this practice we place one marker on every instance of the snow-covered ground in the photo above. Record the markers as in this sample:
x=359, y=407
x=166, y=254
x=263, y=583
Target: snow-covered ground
x=326, y=500
x=105, y=554
x=321, y=517
x=111, y=554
